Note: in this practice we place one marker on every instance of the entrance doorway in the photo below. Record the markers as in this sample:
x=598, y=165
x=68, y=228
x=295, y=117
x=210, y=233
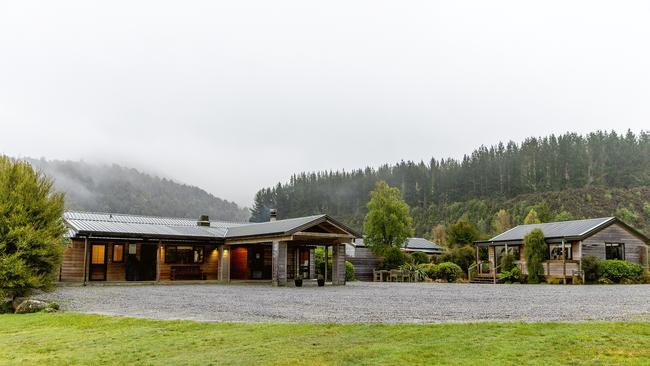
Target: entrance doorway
x=98, y=262
x=141, y=262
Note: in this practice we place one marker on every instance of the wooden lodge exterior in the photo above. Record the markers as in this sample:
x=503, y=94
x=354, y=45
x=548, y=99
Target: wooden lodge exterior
x=115, y=248
x=568, y=242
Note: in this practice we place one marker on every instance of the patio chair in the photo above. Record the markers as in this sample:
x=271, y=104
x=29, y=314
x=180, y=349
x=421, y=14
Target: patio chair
x=376, y=275
x=396, y=275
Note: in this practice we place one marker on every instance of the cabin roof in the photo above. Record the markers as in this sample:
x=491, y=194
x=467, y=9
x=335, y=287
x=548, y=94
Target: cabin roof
x=419, y=244
x=569, y=230
x=111, y=224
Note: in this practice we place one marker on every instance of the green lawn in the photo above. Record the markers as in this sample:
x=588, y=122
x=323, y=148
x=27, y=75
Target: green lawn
x=69, y=338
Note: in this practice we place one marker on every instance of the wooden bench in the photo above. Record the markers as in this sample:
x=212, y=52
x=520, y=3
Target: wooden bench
x=187, y=273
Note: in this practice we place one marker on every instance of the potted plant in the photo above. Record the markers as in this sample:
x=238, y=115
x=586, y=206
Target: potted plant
x=321, y=281
x=298, y=280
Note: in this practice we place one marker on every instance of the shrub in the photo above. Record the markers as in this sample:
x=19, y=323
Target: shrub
x=419, y=258
x=535, y=250
x=393, y=258
x=449, y=271
x=591, y=268
x=618, y=270
x=508, y=263
x=31, y=230
x=430, y=269
x=417, y=271
x=349, y=271
x=6, y=307
x=462, y=256
x=513, y=275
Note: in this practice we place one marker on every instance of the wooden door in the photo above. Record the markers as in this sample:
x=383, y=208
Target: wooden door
x=98, y=262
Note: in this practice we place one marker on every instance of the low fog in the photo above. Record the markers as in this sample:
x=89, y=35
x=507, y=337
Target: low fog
x=235, y=96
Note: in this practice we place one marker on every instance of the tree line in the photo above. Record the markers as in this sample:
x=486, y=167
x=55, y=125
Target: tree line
x=489, y=176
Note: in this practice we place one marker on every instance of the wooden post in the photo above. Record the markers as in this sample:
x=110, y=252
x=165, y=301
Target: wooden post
x=85, y=260
x=326, y=259
x=478, y=266
x=563, y=262
x=158, y=259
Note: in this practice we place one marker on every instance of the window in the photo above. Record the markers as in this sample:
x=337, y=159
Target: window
x=555, y=251
x=98, y=254
x=615, y=251
x=183, y=254
x=118, y=253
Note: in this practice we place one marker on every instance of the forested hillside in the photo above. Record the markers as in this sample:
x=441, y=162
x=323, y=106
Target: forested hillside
x=112, y=188
x=600, y=174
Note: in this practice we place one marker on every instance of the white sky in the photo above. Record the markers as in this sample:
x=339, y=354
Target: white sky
x=233, y=96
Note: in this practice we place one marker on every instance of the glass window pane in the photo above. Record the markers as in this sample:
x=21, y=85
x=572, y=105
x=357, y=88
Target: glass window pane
x=118, y=253
x=98, y=254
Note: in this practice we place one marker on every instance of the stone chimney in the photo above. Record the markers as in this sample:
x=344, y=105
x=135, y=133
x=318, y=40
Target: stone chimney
x=274, y=214
x=204, y=220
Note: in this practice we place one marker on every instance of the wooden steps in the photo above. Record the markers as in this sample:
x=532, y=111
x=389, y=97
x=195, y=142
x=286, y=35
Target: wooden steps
x=484, y=279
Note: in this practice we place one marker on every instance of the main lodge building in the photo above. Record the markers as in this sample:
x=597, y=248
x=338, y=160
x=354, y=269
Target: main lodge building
x=116, y=248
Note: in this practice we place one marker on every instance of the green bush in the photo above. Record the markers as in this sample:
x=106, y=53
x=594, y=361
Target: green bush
x=462, y=256
x=393, y=258
x=419, y=258
x=508, y=263
x=591, y=268
x=619, y=270
x=349, y=271
x=449, y=271
x=513, y=275
x=430, y=269
x=6, y=307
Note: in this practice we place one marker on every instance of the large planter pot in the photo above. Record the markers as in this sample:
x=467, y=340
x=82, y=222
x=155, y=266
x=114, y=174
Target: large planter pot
x=321, y=283
x=298, y=283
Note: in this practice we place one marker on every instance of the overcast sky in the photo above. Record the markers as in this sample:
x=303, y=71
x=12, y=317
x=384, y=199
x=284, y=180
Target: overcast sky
x=233, y=96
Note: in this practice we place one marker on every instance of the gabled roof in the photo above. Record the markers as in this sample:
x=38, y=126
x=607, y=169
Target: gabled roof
x=120, y=225
x=416, y=244
x=568, y=230
x=422, y=244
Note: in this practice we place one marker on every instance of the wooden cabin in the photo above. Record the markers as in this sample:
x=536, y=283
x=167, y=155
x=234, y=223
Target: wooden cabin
x=568, y=242
x=115, y=248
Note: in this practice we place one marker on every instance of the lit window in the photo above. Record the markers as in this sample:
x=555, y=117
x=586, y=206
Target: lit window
x=98, y=254
x=118, y=253
x=615, y=251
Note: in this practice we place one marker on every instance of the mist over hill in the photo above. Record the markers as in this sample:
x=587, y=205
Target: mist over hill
x=562, y=177
x=113, y=188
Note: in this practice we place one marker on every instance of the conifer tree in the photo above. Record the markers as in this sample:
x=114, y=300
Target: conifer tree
x=31, y=229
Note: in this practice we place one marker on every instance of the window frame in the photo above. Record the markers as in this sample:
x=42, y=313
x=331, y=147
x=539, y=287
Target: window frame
x=568, y=251
x=195, y=248
x=622, y=251
x=113, y=253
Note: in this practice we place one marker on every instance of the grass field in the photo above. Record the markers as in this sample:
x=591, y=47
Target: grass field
x=69, y=338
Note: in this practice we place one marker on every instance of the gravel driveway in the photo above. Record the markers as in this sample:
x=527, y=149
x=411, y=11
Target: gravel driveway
x=360, y=302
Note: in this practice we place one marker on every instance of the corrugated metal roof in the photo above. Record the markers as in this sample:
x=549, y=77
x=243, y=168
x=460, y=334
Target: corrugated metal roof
x=272, y=227
x=411, y=243
x=563, y=229
x=422, y=244
x=123, y=225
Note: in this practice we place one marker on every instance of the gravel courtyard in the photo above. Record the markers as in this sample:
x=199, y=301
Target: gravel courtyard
x=360, y=302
